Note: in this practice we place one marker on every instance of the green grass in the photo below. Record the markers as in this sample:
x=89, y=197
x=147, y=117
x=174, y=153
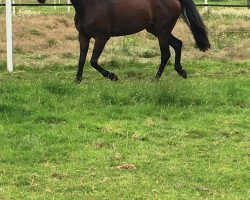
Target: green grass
x=183, y=139
x=188, y=139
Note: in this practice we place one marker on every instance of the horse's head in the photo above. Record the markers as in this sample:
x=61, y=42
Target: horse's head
x=41, y=1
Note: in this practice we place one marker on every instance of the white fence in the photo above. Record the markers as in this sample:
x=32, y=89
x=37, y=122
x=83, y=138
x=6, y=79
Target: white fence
x=19, y=2
x=9, y=37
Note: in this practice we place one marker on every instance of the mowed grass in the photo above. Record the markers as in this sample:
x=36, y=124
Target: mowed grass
x=131, y=139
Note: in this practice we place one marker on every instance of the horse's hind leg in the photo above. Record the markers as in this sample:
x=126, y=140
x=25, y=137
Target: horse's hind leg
x=98, y=48
x=84, y=46
x=165, y=54
x=177, y=46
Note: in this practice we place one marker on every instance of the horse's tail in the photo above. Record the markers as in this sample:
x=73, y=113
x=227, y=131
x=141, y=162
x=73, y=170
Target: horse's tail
x=195, y=23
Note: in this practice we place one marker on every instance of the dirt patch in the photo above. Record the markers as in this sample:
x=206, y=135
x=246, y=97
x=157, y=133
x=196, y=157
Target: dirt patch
x=46, y=39
x=126, y=167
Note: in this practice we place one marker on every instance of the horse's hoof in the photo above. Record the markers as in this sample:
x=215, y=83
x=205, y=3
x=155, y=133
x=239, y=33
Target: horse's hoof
x=157, y=78
x=113, y=77
x=78, y=80
x=182, y=73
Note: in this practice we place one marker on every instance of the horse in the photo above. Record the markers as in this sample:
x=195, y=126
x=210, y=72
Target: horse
x=103, y=19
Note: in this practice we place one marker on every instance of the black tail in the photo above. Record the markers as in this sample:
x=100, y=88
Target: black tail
x=194, y=21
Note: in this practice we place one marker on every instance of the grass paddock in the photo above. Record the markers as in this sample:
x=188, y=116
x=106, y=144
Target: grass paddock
x=131, y=139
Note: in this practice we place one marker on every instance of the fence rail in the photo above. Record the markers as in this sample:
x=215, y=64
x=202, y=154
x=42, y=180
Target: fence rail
x=37, y=5
x=223, y=5
x=65, y=4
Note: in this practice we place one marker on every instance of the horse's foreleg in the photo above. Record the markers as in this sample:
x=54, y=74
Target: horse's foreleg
x=84, y=46
x=177, y=46
x=165, y=54
x=98, y=48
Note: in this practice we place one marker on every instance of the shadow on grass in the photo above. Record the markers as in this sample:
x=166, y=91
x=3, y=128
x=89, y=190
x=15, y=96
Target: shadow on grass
x=50, y=119
x=59, y=88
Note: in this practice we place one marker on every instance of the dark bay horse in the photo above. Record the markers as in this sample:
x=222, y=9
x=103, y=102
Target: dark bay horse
x=102, y=19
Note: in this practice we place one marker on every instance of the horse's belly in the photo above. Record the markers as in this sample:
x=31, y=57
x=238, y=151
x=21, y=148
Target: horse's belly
x=128, y=30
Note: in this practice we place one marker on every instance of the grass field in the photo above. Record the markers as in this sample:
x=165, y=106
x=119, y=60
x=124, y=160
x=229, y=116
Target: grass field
x=133, y=139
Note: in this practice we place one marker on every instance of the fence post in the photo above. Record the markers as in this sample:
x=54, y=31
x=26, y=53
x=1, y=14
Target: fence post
x=14, y=8
x=68, y=6
x=206, y=4
x=54, y=3
x=9, y=37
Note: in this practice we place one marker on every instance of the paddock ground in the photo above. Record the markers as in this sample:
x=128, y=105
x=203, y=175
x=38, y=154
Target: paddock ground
x=133, y=139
